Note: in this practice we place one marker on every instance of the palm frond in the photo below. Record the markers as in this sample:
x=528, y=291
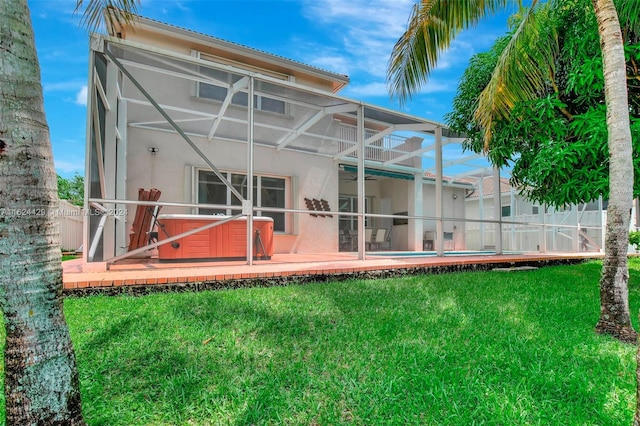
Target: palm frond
x=432, y=26
x=523, y=70
x=118, y=12
x=629, y=14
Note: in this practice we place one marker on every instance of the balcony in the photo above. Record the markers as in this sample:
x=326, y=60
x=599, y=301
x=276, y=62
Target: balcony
x=390, y=149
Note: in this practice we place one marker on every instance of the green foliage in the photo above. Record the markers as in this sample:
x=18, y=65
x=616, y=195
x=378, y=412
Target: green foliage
x=558, y=167
x=521, y=72
x=71, y=189
x=634, y=239
x=473, y=81
x=557, y=143
x=431, y=28
x=93, y=12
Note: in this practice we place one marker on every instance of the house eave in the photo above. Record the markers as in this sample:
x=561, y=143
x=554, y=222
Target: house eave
x=338, y=81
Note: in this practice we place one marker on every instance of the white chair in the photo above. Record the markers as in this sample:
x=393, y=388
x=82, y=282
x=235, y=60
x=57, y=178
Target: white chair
x=379, y=239
x=368, y=238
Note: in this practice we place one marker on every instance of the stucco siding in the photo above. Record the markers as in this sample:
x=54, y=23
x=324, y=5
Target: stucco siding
x=170, y=171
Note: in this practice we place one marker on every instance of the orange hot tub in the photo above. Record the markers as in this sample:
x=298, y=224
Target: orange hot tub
x=227, y=241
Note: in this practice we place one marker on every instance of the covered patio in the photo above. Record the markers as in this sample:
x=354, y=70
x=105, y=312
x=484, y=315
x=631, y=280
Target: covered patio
x=328, y=171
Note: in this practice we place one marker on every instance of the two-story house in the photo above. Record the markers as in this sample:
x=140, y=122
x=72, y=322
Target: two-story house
x=221, y=129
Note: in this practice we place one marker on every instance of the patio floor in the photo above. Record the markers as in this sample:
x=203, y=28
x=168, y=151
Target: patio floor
x=150, y=275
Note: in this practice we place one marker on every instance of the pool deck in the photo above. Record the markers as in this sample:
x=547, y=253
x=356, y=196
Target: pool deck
x=150, y=275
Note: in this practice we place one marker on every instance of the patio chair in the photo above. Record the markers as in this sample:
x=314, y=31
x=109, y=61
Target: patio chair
x=379, y=238
x=368, y=238
x=385, y=242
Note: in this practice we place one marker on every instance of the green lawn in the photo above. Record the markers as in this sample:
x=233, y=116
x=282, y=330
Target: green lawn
x=458, y=349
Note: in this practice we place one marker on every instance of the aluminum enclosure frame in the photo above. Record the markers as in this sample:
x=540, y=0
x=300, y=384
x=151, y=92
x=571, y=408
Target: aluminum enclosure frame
x=114, y=64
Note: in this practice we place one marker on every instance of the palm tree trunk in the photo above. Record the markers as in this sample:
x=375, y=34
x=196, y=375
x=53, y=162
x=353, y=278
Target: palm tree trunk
x=614, y=304
x=41, y=378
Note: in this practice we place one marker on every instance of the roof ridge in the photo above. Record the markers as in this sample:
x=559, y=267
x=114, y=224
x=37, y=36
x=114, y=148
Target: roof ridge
x=236, y=44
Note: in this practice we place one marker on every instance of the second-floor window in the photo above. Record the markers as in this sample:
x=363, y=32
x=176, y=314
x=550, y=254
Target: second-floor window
x=218, y=92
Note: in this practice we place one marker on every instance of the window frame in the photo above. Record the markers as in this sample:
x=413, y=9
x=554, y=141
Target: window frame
x=229, y=197
x=258, y=99
x=353, y=203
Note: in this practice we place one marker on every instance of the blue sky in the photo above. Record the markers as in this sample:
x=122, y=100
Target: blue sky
x=352, y=37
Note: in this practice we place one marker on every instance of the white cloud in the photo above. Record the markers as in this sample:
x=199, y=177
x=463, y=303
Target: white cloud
x=81, y=96
x=366, y=29
x=181, y=6
x=64, y=86
x=380, y=88
x=458, y=54
x=76, y=86
x=439, y=86
x=64, y=166
x=370, y=89
x=363, y=35
x=373, y=14
x=325, y=57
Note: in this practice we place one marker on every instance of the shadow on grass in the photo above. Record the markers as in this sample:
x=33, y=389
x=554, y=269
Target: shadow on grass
x=454, y=349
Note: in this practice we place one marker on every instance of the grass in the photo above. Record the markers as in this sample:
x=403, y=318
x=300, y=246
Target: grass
x=459, y=349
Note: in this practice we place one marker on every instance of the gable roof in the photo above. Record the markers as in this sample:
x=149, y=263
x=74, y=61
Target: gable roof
x=239, y=50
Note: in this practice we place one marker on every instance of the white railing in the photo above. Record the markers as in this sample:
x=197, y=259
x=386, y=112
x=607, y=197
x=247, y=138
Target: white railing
x=562, y=232
x=387, y=148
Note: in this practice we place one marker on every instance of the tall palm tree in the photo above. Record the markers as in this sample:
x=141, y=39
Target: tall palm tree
x=614, y=298
x=520, y=75
x=41, y=378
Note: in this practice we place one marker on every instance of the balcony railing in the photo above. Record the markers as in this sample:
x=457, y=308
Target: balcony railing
x=387, y=148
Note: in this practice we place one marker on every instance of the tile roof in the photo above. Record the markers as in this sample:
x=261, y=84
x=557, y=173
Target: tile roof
x=487, y=187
